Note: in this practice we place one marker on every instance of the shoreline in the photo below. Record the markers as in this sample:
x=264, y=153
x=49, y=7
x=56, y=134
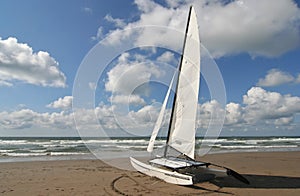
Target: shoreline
x=269, y=173
x=91, y=156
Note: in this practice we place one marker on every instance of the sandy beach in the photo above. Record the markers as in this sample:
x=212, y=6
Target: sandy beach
x=270, y=173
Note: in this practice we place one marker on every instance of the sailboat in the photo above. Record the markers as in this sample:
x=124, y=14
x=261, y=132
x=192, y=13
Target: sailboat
x=177, y=165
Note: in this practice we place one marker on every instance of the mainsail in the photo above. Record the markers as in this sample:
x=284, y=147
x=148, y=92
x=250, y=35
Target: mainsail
x=182, y=129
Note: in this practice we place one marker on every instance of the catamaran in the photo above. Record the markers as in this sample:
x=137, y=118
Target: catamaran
x=177, y=165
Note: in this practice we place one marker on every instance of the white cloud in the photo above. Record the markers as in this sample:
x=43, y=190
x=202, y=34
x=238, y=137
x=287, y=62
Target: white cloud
x=87, y=10
x=167, y=57
x=5, y=83
x=26, y=118
x=234, y=114
x=249, y=26
x=262, y=105
x=19, y=62
x=99, y=35
x=208, y=110
x=127, y=75
x=177, y=3
x=108, y=118
x=116, y=21
x=103, y=114
x=225, y=28
x=275, y=77
x=146, y=116
x=260, y=108
x=92, y=85
x=132, y=99
x=62, y=103
x=18, y=119
x=284, y=120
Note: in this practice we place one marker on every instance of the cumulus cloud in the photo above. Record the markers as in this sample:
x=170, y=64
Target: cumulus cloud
x=62, y=103
x=127, y=75
x=275, y=77
x=19, y=62
x=240, y=26
x=284, y=120
x=132, y=99
x=18, y=119
x=234, y=114
x=103, y=114
x=116, y=21
x=167, y=57
x=145, y=116
x=249, y=26
x=262, y=105
x=260, y=108
x=209, y=113
x=103, y=110
x=100, y=35
x=26, y=118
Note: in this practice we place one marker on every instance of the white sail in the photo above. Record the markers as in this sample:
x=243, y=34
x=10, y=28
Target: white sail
x=160, y=118
x=183, y=121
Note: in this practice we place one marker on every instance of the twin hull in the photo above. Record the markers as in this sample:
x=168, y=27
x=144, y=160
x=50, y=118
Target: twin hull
x=168, y=176
x=173, y=176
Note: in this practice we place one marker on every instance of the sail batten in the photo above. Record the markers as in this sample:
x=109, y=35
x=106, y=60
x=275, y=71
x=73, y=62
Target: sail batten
x=182, y=130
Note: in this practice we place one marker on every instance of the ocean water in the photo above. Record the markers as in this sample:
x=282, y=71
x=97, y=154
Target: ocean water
x=20, y=149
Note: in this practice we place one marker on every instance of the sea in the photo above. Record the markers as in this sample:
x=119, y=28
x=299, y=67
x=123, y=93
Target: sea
x=14, y=149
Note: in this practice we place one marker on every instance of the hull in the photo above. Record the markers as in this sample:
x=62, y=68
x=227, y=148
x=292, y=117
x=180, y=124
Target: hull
x=168, y=176
x=189, y=177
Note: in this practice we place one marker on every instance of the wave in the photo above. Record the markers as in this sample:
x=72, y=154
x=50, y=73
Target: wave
x=258, y=147
x=45, y=147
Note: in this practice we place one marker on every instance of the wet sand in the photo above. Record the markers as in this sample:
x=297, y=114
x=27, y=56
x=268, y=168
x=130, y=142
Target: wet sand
x=269, y=173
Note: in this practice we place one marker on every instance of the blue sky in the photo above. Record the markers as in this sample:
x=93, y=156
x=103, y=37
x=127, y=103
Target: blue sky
x=43, y=44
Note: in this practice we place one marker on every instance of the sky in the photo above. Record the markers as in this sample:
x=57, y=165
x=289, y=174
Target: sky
x=46, y=48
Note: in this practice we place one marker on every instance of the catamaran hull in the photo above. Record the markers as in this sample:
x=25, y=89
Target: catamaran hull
x=168, y=176
x=175, y=177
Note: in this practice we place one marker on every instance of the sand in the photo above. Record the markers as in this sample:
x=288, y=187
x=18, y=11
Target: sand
x=270, y=173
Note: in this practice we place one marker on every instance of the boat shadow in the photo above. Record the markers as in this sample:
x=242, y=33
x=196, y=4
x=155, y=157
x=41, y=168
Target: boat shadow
x=259, y=181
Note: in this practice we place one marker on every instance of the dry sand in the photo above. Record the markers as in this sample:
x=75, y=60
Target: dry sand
x=270, y=173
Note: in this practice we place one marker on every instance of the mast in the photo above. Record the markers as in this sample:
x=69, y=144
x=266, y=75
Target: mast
x=175, y=95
